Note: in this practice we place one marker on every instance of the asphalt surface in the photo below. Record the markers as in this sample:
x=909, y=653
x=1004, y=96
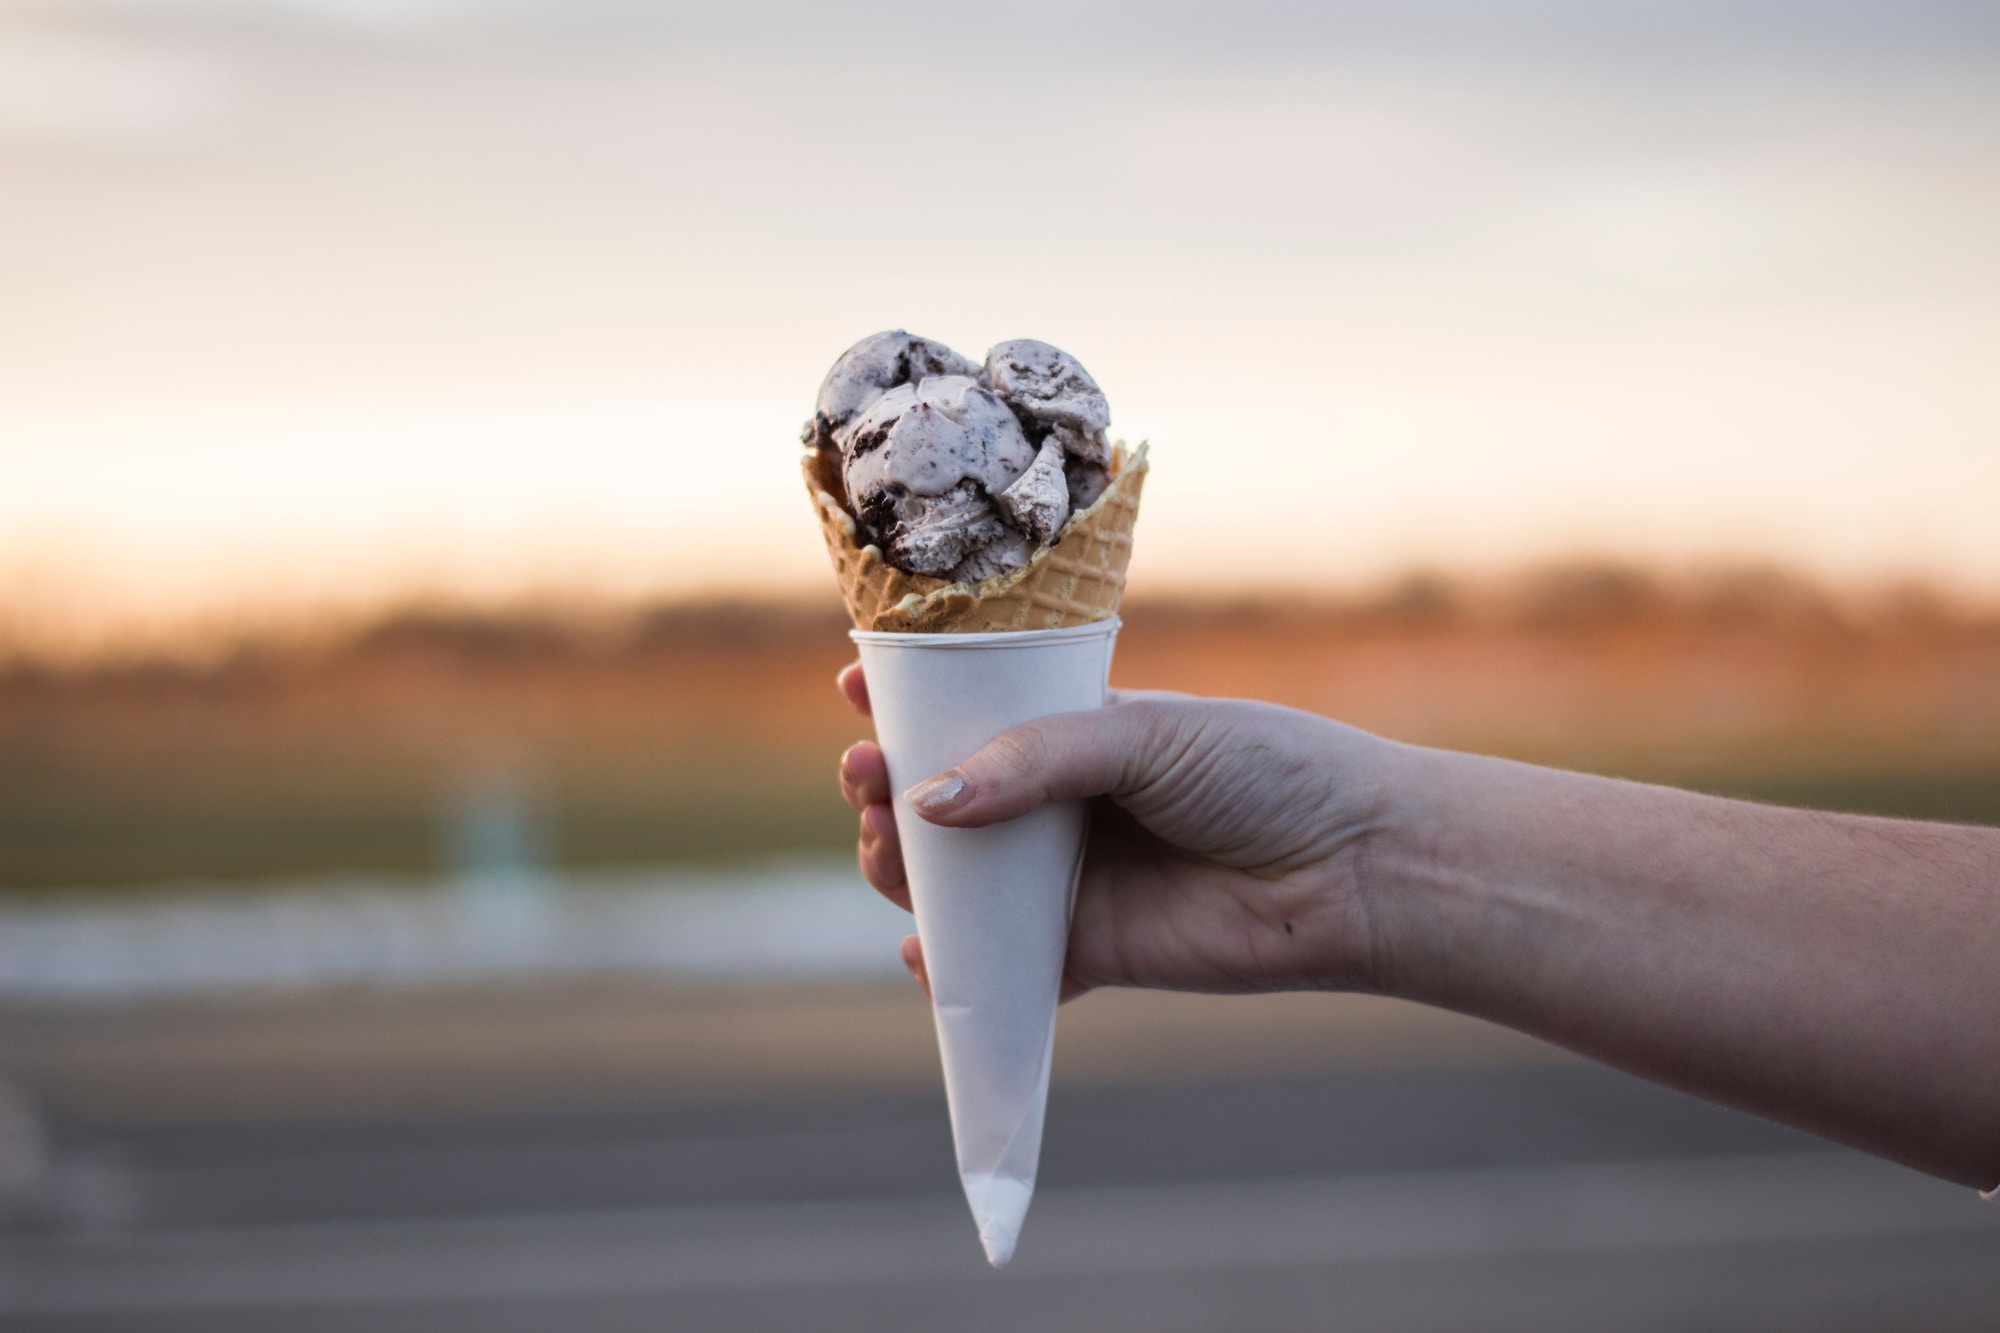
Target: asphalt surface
x=1548, y=1195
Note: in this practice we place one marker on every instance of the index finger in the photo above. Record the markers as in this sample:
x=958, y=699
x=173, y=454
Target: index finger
x=854, y=688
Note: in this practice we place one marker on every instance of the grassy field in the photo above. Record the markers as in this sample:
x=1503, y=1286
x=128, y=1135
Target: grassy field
x=708, y=732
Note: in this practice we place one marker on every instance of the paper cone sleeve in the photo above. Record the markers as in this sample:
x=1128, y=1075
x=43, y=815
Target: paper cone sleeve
x=1077, y=581
x=992, y=904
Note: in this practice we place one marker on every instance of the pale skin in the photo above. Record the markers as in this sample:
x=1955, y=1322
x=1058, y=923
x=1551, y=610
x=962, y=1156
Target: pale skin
x=1833, y=972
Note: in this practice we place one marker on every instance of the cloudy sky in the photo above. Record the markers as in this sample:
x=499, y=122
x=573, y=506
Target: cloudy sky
x=313, y=303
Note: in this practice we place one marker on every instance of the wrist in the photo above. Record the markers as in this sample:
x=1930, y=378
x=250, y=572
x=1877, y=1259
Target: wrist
x=1367, y=841
x=1417, y=890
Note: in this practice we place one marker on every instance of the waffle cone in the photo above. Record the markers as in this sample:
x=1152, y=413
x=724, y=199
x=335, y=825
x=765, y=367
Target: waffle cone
x=1076, y=581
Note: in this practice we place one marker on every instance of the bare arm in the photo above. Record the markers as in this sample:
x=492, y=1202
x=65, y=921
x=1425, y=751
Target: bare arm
x=1837, y=973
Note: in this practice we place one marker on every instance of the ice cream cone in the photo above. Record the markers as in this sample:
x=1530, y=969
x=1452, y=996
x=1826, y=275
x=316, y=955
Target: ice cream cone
x=950, y=666
x=1076, y=581
x=992, y=904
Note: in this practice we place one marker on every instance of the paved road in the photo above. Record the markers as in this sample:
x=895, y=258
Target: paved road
x=1543, y=1196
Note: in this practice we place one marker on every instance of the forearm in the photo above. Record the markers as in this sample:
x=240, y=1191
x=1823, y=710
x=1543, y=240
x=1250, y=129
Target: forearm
x=1837, y=973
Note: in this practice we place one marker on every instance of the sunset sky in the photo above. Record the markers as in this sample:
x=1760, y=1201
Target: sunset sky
x=309, y=304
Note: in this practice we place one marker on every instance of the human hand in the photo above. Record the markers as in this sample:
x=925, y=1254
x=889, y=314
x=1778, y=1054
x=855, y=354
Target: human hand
x=1227, y=844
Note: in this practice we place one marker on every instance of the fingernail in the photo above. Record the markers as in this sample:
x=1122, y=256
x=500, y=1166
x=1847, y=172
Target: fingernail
x=936, y=795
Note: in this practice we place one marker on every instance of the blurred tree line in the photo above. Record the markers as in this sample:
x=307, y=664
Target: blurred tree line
x=708, y=731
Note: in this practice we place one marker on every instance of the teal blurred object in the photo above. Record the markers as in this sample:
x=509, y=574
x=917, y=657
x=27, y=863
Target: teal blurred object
x=500, y=838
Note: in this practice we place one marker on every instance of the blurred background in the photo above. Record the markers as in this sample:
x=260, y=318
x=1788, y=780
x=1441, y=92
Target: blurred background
x=424, y=900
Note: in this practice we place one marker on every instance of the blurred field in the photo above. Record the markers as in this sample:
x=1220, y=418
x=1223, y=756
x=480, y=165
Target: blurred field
x=707, y=732
x=618, y=1155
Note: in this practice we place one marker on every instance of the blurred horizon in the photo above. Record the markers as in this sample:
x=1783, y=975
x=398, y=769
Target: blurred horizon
x=310, y=308
x=703, y=733
x=1563, y=587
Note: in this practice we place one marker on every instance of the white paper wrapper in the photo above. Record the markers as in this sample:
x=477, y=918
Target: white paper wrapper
x=992, y=904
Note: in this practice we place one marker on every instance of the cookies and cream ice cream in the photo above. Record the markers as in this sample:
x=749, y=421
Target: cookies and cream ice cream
x=960, y=471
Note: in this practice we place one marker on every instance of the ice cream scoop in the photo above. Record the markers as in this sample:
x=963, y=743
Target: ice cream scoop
x=872, y=366
x=958, y=471
x=1048, y=386
x=922, y=463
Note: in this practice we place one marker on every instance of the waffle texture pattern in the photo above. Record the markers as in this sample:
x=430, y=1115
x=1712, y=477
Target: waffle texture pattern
x=1076, y=581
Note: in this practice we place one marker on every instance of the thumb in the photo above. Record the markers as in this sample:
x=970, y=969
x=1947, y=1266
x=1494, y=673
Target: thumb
x=1064, y=757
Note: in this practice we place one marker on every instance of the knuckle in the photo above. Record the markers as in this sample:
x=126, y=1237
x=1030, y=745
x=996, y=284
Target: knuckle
x=1154, y=723
x=1022, y=752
